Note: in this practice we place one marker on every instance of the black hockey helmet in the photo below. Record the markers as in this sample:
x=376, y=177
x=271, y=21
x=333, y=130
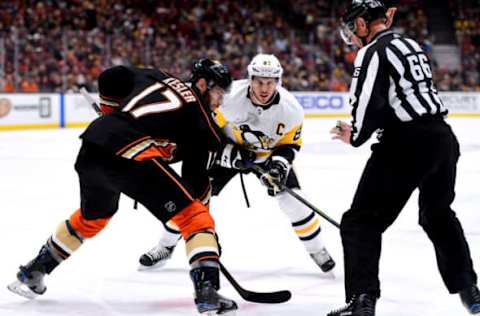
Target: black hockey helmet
x=116, y=83
x=369, y=10
x=213, y=72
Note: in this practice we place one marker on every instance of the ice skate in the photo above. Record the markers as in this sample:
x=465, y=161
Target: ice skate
x=207, y=300
x=155, y=258
x=471, y=299
x=30, y=277
x=323, y=260
x=361, y=305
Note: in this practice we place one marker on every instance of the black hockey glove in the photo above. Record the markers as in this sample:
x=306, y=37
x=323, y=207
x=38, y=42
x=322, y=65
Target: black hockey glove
x=235, y=157
x=276, y=174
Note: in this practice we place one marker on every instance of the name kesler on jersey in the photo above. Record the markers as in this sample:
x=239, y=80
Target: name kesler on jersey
x=257, y=128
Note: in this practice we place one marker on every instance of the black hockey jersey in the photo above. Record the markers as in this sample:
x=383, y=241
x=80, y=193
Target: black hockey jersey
x=161, y=114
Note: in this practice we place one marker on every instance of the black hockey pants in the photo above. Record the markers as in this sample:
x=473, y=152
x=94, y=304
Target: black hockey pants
x=103, y=176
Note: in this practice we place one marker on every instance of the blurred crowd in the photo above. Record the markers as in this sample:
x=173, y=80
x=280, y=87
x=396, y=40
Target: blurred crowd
x=62, y=45
x=467, y=28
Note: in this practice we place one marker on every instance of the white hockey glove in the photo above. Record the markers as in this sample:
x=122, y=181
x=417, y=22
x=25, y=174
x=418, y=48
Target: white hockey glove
x=235, y=157
x=275, y=176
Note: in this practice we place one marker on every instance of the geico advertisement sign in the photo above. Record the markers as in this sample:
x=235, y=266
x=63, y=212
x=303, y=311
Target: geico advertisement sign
x=29, y=108
x=330, y=102
x=323, y=102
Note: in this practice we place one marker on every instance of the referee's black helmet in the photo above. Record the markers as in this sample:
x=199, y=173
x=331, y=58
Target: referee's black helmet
x=369, y=10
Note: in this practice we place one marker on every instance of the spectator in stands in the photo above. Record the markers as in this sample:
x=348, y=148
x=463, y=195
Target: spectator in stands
x=63, y=45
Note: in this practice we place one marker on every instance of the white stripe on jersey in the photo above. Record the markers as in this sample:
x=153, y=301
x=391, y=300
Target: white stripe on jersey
x=353, y=85
x=366, y=93
x=415, y=45
x=401, y=46
x=172, y=103
x=142, y=95
x=423, y=89
x=422, y=86
x=396, y=103
x=405, y=84
x=435, y=96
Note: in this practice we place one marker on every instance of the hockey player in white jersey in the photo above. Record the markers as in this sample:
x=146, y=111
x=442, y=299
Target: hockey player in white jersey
x=259, y=116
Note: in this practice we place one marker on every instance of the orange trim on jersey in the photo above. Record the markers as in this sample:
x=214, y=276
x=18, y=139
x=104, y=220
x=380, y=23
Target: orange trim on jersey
x=149, y=153
x=87, y=228
x=109, y=98
x=193, y=219
x=173, y=178
x=209, y=123
x=132, y=144
x=206, y=195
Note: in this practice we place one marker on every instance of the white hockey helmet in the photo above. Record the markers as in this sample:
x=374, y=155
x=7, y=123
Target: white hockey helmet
x=265, y=65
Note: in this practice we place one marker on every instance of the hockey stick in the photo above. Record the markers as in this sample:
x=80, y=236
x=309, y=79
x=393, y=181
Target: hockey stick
x=244, y=190
x=300, y=198
x=311, y=206
x=256, y=297
x=91, y=101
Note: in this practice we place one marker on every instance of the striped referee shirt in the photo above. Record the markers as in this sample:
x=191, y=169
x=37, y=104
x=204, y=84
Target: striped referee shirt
x=392, y=83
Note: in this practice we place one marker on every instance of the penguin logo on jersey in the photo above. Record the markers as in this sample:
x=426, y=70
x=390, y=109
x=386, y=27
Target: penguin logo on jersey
x=255, y=138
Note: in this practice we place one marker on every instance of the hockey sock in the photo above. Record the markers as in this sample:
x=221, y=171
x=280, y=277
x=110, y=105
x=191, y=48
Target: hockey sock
x=64, y=241
x=171, y=235
x=202, y=246
x=305, y=223
x=71, y=233
x=198, y=229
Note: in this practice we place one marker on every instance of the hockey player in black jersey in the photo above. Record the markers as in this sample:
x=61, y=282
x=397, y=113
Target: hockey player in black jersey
x=151, y=119
x=392, y=92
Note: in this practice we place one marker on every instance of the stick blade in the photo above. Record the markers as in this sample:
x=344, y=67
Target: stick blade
x=267, y=298
x=256, y=297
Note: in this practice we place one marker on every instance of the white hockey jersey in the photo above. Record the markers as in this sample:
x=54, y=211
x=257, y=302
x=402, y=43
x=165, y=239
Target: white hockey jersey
x=258, y=128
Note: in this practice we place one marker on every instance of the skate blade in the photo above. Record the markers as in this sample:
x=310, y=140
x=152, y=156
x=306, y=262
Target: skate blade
x=214, y=313
x=21, y=289
x=330, y=274
x=156, y=266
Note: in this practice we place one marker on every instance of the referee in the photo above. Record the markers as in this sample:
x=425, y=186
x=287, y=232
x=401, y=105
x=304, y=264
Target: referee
x=392, y=93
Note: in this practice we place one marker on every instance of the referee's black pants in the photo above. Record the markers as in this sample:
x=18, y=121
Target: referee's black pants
x=419, y=155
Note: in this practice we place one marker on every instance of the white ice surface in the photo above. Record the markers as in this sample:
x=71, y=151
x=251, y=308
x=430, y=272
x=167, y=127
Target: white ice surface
x=39, y=188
